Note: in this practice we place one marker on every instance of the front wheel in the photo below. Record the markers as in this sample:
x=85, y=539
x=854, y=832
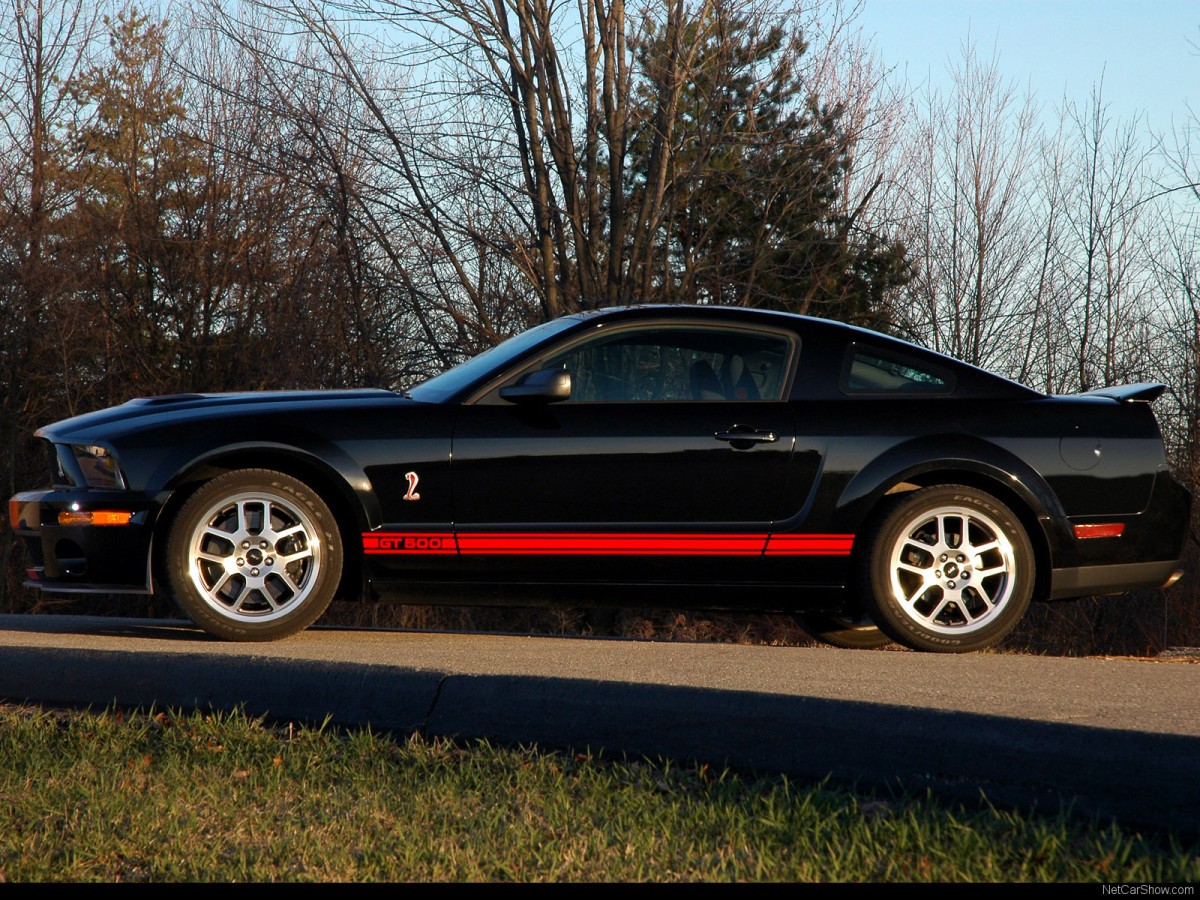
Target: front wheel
x=855, y=632
x=254, y=555
x=949, y=569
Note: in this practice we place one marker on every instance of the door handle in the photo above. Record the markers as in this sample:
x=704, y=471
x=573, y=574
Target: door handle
x=740, y=433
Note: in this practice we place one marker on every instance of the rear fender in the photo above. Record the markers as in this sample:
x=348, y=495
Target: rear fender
x=915, y=460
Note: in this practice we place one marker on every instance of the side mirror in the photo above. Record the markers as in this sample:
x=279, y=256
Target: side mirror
x=542, y=386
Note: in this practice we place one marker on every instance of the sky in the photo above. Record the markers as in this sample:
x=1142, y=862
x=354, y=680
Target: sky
x=1139, y=47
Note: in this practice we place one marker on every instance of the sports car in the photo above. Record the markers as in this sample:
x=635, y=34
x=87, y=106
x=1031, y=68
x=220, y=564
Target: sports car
x=692, y=457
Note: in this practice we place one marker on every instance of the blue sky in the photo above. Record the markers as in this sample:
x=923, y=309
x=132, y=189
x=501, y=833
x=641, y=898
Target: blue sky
x=1139, y=47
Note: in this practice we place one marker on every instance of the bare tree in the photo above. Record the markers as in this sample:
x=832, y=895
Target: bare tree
x=973, y=202
x=1176, y=256
x=1107, y=188
x=277, y=255
x=44, y=43
x=528, y=159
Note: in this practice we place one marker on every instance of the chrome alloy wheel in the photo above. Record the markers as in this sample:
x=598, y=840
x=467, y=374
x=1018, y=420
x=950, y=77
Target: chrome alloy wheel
x=254, y=557
x=953, y=570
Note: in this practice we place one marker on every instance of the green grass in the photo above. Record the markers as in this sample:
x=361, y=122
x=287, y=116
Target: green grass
x=166, y=797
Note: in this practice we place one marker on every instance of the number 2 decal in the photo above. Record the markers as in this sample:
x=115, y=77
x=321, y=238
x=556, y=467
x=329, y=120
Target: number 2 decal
x=413, y=478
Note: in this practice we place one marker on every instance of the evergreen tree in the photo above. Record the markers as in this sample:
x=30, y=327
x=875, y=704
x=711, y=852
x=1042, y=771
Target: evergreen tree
x=136, y=167
x=757, y=178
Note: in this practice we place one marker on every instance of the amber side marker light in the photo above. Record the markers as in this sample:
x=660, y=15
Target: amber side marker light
x=1114, y=529
x=14, y=514
x=94, y=517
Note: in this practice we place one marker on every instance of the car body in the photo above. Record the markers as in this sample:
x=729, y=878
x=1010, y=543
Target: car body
x=695, y=457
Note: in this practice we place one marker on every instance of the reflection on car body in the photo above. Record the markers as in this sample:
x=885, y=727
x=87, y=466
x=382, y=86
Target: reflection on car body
x=702, y=457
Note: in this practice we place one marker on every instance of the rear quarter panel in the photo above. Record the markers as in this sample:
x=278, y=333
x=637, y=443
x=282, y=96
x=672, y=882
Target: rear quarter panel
x=1038, y=454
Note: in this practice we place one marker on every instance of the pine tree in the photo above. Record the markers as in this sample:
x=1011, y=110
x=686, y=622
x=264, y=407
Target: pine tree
x=136, y=168
x=757, y=176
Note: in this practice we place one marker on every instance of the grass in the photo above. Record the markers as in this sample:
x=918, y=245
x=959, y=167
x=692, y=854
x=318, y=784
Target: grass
x=191, y=797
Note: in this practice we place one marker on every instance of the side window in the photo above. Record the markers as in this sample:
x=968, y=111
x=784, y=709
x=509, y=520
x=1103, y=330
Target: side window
x=676, y=364
x=871, y=371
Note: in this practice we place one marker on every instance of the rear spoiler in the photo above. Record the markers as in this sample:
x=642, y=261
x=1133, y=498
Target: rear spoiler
x=1146, y=392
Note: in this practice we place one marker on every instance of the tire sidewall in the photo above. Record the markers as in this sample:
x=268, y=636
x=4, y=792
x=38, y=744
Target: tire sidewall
x=838, y=631
x=190, y=516
x=875, y=575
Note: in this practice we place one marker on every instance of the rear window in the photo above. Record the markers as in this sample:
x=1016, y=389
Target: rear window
x=870, y=371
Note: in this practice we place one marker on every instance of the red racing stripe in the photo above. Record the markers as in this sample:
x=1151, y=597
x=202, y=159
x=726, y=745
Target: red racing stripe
x=809, y=545
x=592, y=544
x=508, y=543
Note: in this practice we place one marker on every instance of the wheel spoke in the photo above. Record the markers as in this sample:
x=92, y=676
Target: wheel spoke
x=243, y=525
x=917, y=594
x=983, y=614
x=270, y=511
x=288, y=580
x=276, y=536
x=286, y=559
x=941, y=531
x=245, y=597
x=911, y=544
x=962, y=531
x=216, y=534
x=214, y=593
x=940, y=608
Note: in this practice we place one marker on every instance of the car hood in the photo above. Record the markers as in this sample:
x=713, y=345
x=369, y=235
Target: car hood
x=185, y=408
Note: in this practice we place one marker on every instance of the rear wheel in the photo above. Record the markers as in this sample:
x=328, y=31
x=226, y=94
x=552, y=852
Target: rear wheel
x=254, y=555
x=949, y=569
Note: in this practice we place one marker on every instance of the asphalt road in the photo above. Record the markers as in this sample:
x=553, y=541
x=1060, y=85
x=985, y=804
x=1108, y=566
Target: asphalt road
x=1113, y=737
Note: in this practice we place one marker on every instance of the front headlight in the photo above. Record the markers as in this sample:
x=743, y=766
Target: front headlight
x=98, y=467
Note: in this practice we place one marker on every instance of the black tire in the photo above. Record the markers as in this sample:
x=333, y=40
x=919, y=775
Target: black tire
x=948, y=569
x=849, y=633
x=254, y=555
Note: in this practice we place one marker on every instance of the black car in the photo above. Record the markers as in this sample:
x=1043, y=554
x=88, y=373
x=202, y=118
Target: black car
x=710, y=458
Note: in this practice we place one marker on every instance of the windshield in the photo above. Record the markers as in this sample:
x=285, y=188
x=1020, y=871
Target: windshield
x=479, y=368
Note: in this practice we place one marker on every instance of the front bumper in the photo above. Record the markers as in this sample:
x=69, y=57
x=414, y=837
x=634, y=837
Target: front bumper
x=85, y=558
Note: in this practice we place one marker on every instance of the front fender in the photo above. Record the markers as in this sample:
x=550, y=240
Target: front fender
x=158, y=461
